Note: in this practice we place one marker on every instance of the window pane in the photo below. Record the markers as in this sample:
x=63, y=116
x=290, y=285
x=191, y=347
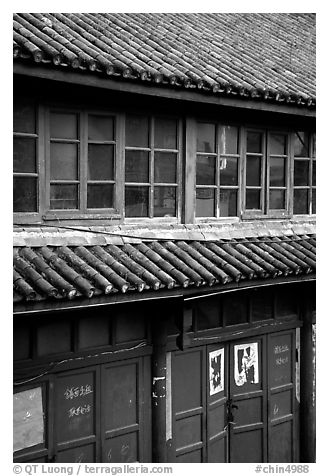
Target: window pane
x=205, y=170
x=63, y=161
x=313, y=145
x=301, y=144
x=25, y=194
x=277, y=172
x=235, y=309
x=63, y=126
x=206, y=137
x=207, y=312
x=277, y=199
x=165, y=167
x=137, y=201
x=253, y=199
x=262, y=305
x=100, y=128
x=300, y=201
x=164, y=201
x=137, y=166
x=100, y=162
x=63, y=196
x=314, y=173
x=137, y=131
x=313, y=200
x=229, y=142
x=228, y=203
x=24, y=115
x=165, y=133
x=253, y=172
x=286, y=302
x=254, y=142
x=24, y=155
x=228, y=169
x=278, y=144
x=205, y=202
x=100, y=195
x=301, y=172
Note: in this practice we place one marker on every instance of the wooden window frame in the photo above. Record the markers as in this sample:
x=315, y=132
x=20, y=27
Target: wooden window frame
x=218, y=156
x=151, y=184
x=310, y=188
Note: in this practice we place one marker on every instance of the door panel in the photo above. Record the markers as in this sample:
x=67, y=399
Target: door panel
x=281, y=370
x=248, y=396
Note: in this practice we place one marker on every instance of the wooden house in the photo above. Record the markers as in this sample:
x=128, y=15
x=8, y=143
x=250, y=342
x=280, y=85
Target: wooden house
x=164, y=237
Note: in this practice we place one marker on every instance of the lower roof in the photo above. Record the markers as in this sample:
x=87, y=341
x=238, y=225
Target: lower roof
x=65, y=273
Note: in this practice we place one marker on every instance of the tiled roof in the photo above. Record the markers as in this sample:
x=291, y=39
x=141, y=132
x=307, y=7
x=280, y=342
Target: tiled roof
x=267, y=56
x=68, y=272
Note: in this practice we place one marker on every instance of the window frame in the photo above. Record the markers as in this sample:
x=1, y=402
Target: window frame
x=151, y=184
x=311, y=159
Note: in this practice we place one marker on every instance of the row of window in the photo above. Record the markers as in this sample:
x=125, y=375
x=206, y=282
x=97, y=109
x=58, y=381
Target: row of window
x=76, y=163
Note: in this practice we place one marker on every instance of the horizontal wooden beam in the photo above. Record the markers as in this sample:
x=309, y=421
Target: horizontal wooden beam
x=93, y=80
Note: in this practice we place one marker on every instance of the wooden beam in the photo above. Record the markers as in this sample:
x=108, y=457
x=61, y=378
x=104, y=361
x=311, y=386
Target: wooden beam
x=94, y=80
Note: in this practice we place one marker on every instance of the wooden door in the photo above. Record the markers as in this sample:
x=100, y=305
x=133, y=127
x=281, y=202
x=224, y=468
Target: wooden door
x=126, y=396
x=248, y=401
x=282, y=436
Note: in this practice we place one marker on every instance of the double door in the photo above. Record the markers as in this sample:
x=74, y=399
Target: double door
x=235, y=402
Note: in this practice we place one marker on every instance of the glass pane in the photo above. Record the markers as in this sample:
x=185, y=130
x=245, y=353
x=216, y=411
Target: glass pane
x=24, y=155
x=313, y=145
x=206, y=137
x=277, y=172
x=137, y=201
x=301, y=144
x=63, y=161
x=205, y=202
x=137, y=166
x=100, y=162
x=25, y=194
x=205, y=170
x=301, y=172
x=207, y=312
x=235, y=309
x=229, y=142
x=262, y=305
x=300, y=202
x=165, y=133
x=277, y=199
x=137, y=131
x=314, y=173
x=165, y=167
x=63, y=196
x=100, y=128
x=100, y=195
x=313, y=200
x=24, y=115
x=286, y=302
x=278, y=144
x=253, y=172
x=63, y=126
x=228, y=203
x=164, y=201
x=228, y=169
x=253, y=199
x=254, y=142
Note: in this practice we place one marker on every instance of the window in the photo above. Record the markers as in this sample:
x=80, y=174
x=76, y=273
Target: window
x=151, y=167
x=304, y=173
x=266, y=176
x=26, y=173
x=217, y=170
x=82, y=153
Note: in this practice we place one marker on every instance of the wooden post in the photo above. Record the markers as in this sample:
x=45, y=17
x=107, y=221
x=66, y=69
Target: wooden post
x=159, y=338
x=307, y=386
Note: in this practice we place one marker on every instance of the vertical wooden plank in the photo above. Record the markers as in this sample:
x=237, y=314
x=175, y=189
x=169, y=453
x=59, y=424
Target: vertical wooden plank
x=120, y=164
x=41, y=159
x=190, y=170
x=83, y=160
x=180, y=192
x=151, y=167
x=242, y=170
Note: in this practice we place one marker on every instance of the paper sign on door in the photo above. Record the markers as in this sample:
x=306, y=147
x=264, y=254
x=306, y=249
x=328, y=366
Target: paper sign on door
x=216, y=371
x=246, y=364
